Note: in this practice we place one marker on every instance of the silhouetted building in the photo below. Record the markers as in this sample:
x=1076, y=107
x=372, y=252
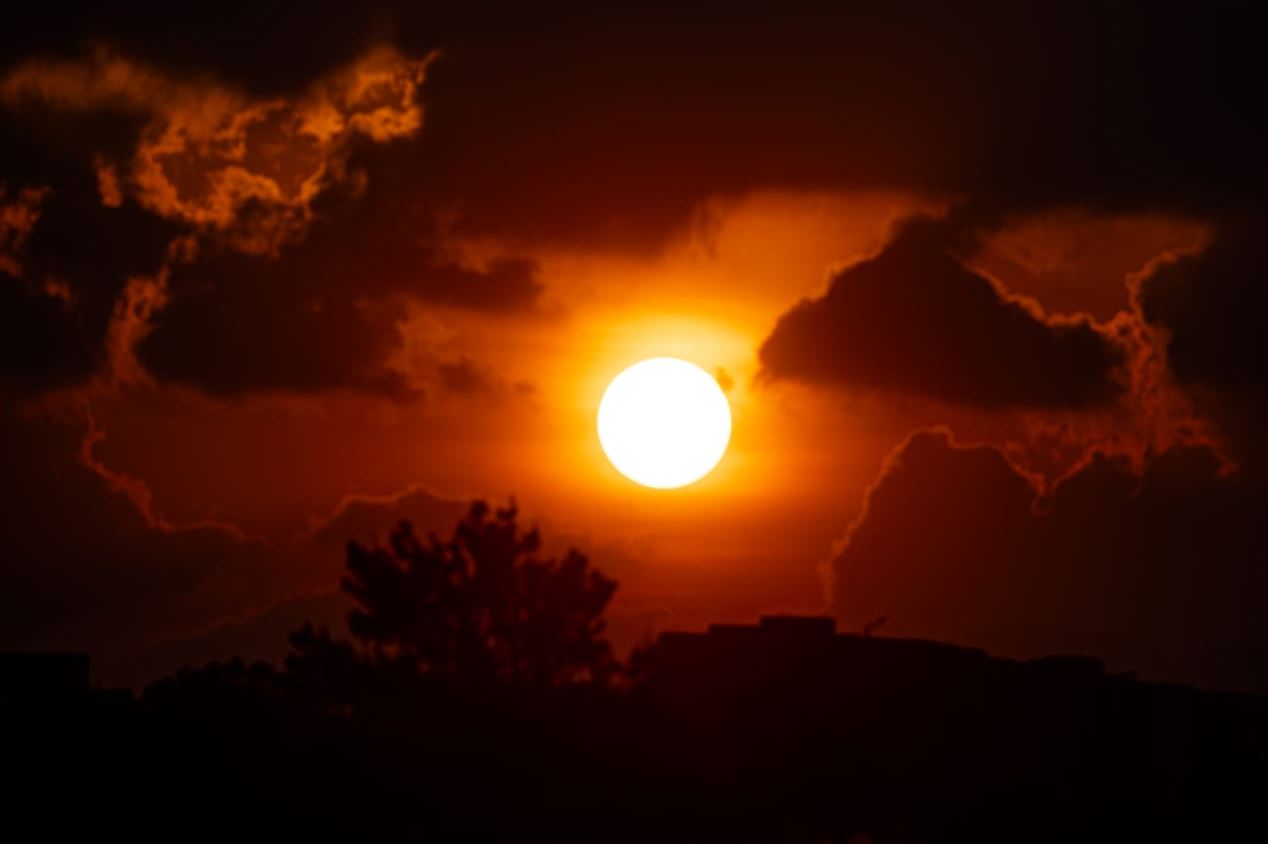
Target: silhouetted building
x=784, y=652
x=54, y=684
x=862, y=733
x=783, y=649
x=43, y=673
x=76, y=757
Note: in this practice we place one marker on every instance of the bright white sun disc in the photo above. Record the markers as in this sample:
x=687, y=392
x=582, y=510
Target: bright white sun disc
x=664, y=423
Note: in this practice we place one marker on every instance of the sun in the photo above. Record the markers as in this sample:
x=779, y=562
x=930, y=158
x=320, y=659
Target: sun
x=664, y=423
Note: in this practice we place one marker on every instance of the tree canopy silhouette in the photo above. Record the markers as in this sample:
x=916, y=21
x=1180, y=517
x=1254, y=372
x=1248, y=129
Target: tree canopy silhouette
x=483, y=606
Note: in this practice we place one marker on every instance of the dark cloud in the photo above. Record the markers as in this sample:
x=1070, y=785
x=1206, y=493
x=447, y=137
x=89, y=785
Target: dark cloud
x=41, y=342
x=272, y=48
x=914, y=320
x=1212, y=309
x=615, y=131
x=325, y=312
x=231, y=336
x=88, y=566
x=1209, y=315
x=291, y=263
x=614, y=122
x=1159, y=570
x=607, y=128
x=610, y=126
x=62, y=282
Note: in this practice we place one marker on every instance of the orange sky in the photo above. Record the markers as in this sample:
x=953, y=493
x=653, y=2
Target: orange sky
x=255, y=296
x=750, y=537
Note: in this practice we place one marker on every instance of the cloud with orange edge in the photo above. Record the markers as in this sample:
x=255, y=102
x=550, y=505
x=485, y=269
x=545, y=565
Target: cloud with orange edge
x=239, y=167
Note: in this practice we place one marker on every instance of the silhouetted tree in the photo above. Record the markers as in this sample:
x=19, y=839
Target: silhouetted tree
x=484, y=606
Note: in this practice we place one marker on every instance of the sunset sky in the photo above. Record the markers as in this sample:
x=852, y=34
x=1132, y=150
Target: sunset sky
x=984, y=287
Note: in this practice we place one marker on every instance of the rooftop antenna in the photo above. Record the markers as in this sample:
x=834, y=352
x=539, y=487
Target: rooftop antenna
x=873, y=624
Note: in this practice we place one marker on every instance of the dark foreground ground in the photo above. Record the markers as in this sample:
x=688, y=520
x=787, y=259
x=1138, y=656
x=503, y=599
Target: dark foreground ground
x=783, y=731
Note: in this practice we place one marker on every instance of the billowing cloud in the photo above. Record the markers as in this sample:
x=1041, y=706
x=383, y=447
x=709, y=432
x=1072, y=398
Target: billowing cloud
x=231, y=336
x=1205, y=311
x=219, y=134
x=239, y=323
x=613, y=127
x=1212, y=309
x=18, y=215
x=30, y=315
x=614, y=130
x=327, y=311
x=1157, y=567
x=246, y=247
x=914, y=320
x=66, y=263
x=243, y=168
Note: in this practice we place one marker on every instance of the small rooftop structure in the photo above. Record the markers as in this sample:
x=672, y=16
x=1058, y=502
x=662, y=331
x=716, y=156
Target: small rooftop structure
x=799, y=627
